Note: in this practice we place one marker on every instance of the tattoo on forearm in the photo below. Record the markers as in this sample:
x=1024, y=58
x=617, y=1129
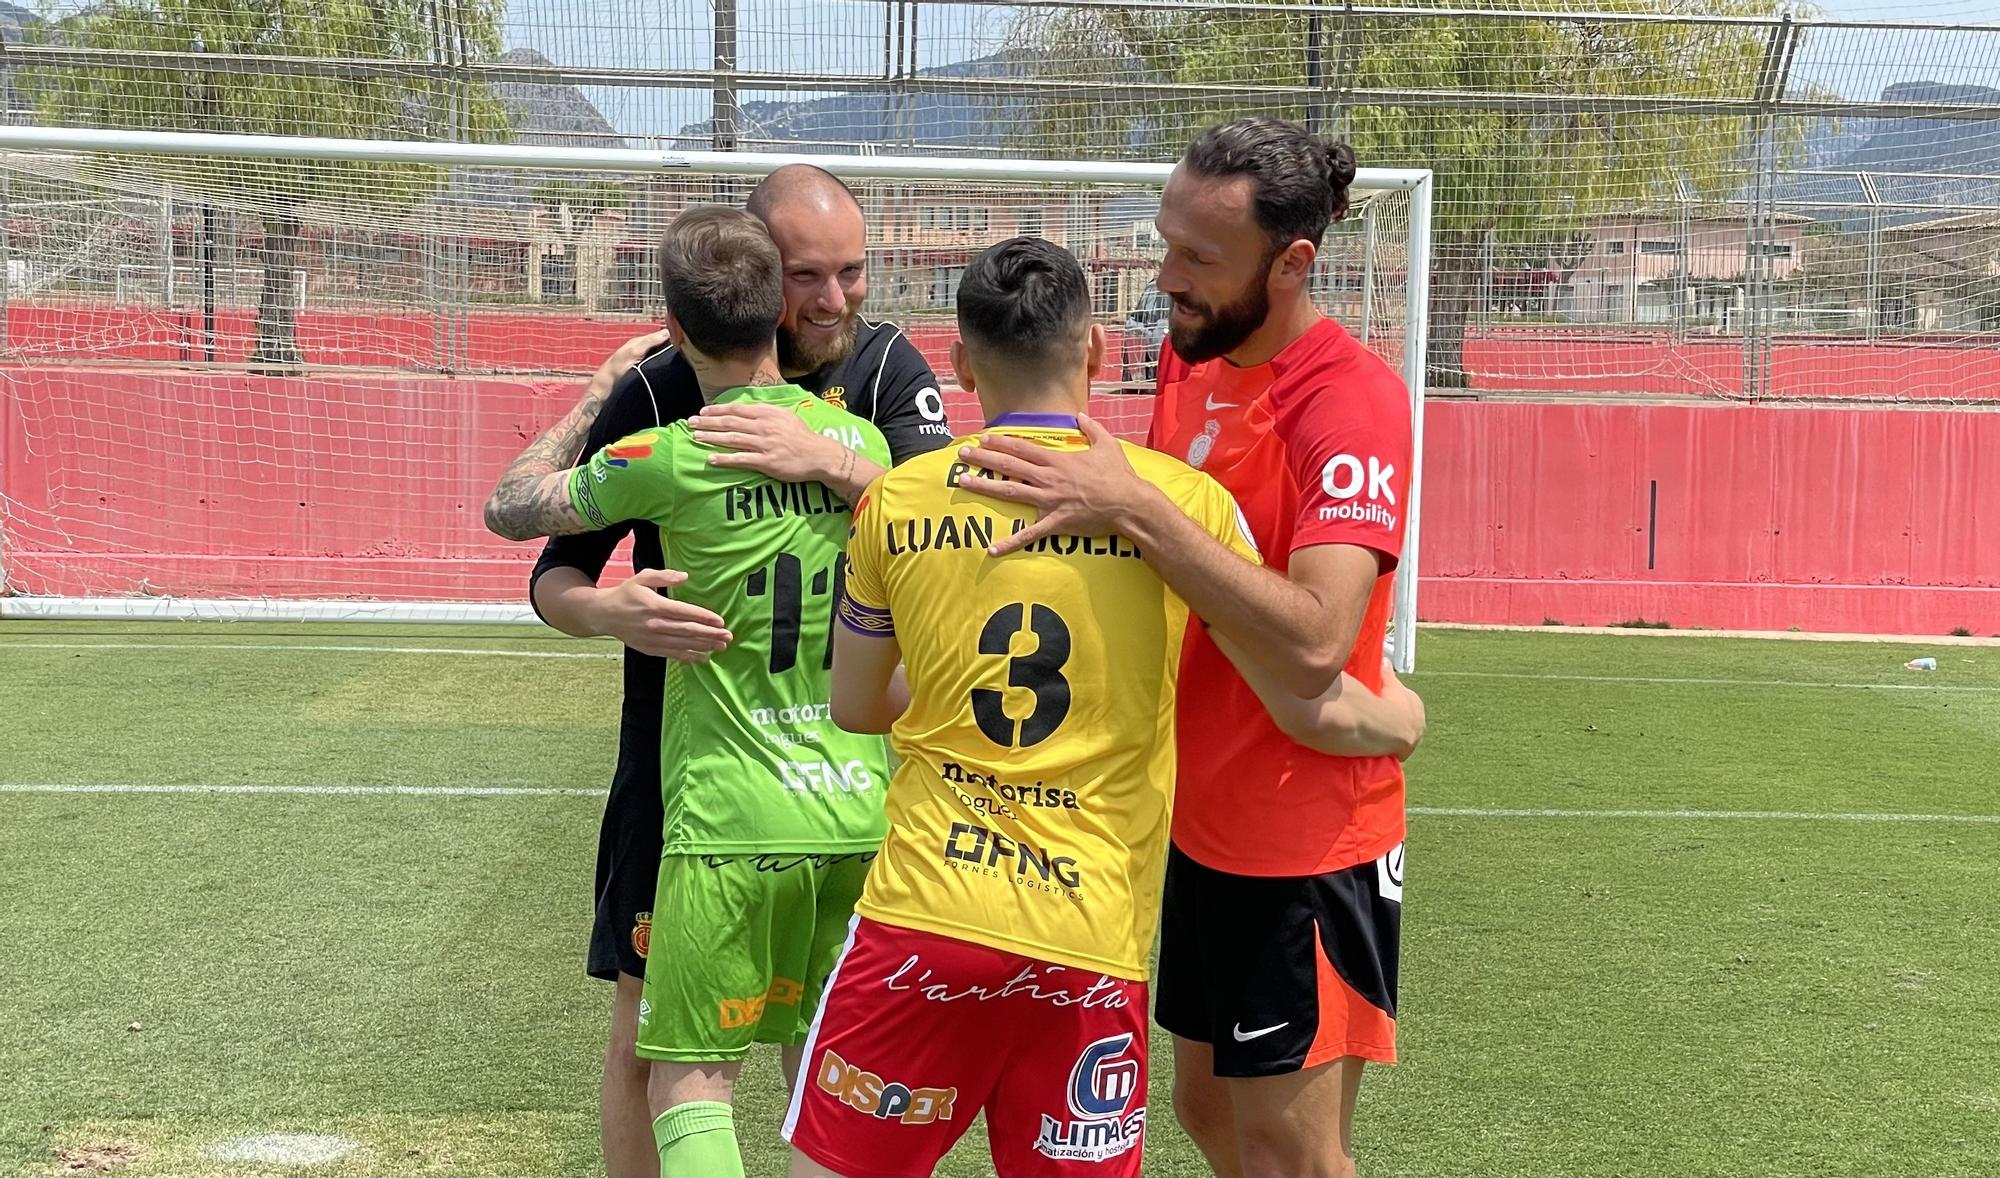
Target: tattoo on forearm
x=561, y=444
x=521, y=507
x=525, y=506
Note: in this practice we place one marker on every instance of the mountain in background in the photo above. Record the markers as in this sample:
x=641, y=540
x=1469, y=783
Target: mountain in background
x=844, y=121
x=1959, y=160
x=1970, y=147
x=555, y=115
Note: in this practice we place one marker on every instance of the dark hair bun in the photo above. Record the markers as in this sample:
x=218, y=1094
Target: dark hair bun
x=1339, y=163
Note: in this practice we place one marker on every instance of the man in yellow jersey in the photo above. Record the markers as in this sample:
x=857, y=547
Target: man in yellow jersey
x=998, y=958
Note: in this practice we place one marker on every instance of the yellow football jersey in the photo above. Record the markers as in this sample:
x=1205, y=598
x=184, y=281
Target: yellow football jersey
x=1031, y=808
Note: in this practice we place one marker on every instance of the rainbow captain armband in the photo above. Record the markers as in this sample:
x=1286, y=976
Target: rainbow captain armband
x=866, y=619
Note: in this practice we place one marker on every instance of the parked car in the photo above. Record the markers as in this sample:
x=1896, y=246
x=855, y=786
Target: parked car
x=1145, y=330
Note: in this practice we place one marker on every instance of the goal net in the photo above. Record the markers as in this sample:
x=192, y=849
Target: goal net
x=252, y=377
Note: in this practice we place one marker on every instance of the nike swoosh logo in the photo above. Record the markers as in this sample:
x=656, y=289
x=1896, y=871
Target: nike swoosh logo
x=1213, y=405
x=1243, y=1036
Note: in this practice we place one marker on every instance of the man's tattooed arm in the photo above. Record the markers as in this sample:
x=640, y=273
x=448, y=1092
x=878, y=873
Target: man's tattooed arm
x=528, y=504
x=532, y=498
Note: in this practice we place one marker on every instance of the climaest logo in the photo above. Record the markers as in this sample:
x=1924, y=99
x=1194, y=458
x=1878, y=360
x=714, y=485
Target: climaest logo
x=1107, y=1111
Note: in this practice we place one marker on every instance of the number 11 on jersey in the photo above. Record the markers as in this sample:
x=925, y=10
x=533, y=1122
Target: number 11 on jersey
x=785, y=584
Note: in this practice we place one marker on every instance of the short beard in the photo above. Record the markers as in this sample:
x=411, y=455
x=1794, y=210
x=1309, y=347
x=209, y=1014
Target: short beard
x=794, y=357
x=1229, y=325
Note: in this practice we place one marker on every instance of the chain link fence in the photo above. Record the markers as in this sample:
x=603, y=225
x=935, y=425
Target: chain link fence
x=1714, y=198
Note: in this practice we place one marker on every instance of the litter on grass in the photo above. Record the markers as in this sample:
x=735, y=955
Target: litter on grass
x=283, y=1149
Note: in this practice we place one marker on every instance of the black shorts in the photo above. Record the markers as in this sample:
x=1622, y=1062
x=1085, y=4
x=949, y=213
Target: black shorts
x=1281, y=973
x=628, y=855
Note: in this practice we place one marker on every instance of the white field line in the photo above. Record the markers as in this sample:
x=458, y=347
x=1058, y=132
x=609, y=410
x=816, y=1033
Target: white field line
x=1757, y=635
x=1705, y=682
x=113, y=647
x=117, y=646
x=509, y=791
x=1777, y=635
x=443, y=791
x=1702, y=815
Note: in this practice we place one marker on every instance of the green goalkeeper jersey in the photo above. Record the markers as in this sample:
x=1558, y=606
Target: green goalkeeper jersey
x=750, y=760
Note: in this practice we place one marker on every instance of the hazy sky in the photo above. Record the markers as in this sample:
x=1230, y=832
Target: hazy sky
x=812, y=36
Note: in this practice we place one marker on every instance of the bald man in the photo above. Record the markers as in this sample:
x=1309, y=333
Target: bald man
x=824, y=345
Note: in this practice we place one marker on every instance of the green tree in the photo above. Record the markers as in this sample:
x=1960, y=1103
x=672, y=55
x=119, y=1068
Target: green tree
x=1515, y=177
x=208, y=79
x=584, y=197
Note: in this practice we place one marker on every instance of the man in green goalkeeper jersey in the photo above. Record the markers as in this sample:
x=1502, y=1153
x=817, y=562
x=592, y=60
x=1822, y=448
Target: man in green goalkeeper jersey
x=772, y=812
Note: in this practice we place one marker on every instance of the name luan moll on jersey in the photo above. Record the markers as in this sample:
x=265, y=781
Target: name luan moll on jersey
x=949, y=532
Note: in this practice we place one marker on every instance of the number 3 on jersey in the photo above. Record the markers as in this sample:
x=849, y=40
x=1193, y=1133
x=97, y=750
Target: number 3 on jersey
x=1040, y=671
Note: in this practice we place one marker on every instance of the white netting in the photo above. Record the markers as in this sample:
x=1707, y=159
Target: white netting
x=283, y=379
x=1740, y=199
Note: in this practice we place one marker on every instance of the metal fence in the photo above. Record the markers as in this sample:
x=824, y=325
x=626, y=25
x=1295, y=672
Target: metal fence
x=1709, y=198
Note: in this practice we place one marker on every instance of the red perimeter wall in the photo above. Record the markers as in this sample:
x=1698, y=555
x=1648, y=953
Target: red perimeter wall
x=1531, y=359
x=1826, y=519
x=1767, y=518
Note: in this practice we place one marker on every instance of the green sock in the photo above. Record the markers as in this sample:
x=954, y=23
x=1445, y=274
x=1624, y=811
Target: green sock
x=698, y=1140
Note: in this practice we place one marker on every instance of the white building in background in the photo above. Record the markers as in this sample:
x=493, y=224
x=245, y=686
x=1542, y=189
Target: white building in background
x=1654, y=269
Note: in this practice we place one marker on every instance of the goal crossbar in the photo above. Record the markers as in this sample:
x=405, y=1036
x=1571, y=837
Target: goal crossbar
x=623, y=159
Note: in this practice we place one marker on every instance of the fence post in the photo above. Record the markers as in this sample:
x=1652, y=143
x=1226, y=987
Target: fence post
x=6, y=257
x=1872, y=264
x=1368, y=269
x=1758, y=292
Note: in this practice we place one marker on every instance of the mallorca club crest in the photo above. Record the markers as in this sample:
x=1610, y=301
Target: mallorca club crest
x=642, y=933
x=1203, y=443
x=835, y=396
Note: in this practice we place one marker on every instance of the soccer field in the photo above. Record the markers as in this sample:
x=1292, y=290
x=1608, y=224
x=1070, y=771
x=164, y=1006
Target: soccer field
x=1676, y=906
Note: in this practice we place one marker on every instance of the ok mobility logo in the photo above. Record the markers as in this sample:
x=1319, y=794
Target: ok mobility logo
x=1106, y=1117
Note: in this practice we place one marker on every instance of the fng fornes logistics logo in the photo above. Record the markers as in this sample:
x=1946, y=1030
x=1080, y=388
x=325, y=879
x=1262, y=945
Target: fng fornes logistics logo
x=979, y=847
x=1107, y=1114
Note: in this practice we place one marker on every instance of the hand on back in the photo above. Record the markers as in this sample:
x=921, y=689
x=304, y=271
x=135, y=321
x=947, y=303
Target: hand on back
x=638, y=614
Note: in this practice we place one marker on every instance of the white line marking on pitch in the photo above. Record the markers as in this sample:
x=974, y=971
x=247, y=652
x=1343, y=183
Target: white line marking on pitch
x=115, y=647
x=1665, y=680
x=607, y=655
x=1764, y=815
x=522, y=791
x=1420, y=673
x=449, y=791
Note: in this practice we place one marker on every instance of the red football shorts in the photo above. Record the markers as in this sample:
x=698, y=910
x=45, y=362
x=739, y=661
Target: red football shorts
x=918, y=1033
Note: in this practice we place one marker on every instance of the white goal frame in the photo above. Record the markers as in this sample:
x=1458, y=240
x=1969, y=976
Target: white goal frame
x=1416, y=181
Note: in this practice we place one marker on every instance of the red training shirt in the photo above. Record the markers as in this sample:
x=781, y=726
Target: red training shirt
x=1315, y=446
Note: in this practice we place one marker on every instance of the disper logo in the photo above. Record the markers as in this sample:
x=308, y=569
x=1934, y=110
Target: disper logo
x=866, y=1092
x=1025, y=862
x=745, y=1012
x=1106, y=1117
x=1351, y=480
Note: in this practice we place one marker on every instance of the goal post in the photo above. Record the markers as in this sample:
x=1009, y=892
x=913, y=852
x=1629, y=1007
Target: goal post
x=247, y=376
